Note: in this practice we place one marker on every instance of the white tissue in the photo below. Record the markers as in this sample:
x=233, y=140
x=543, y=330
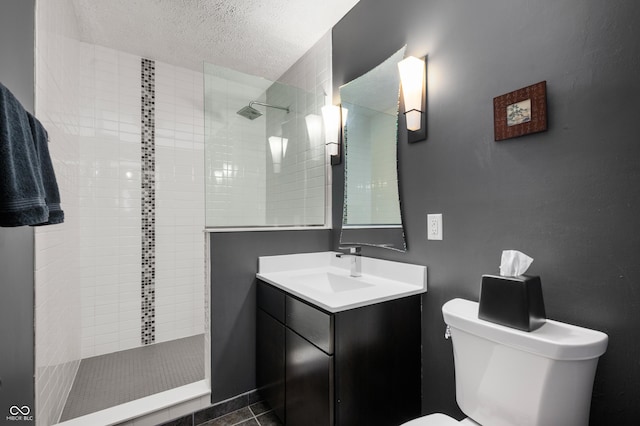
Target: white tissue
x=514, y=263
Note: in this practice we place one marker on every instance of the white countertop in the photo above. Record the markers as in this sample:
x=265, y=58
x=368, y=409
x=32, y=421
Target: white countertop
x=324, y=280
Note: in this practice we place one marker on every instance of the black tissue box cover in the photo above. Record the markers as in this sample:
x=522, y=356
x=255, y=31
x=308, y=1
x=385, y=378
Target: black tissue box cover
x=512, y=301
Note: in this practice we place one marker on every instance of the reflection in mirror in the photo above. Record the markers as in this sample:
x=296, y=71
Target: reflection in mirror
x=371, y=213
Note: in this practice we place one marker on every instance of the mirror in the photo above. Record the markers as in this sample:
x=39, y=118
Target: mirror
x=371, y=212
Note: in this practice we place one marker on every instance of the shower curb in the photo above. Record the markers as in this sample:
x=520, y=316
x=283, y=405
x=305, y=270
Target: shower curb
x=152, y=410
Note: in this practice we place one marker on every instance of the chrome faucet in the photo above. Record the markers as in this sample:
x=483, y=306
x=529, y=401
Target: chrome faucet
x=356, y=261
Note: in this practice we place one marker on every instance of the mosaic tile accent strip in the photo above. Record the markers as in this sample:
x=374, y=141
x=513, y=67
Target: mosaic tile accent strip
x=148, y=199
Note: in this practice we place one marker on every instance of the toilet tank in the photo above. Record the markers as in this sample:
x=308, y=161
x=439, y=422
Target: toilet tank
x=508, y=377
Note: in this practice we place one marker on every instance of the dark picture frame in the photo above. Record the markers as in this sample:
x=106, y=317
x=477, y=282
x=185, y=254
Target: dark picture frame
x=521, y=112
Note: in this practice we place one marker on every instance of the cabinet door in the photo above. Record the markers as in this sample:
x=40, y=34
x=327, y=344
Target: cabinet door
x=309, y=373
x=270, y=367
x=377, y=361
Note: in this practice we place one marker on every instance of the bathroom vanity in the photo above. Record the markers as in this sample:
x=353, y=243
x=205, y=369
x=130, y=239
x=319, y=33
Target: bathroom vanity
x=320, y=362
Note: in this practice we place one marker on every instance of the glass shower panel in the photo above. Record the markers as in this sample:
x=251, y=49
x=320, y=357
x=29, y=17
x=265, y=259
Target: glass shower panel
x=264, y=156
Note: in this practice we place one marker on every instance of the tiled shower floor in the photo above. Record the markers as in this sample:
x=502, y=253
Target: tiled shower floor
x=108, y=380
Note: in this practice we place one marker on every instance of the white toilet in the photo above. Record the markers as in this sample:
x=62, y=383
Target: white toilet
x=508, y=377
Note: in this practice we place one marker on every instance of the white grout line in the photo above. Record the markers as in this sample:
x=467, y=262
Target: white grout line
x=254, y=415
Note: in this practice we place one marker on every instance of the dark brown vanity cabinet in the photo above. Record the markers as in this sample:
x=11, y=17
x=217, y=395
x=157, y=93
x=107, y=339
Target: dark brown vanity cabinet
x=355, y=367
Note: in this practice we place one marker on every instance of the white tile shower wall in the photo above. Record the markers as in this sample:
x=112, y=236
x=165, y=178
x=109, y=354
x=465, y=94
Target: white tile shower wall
x=57, y=282
x=243, y=189
x=236, y=149
x=111, y=202
x=298, y=194
x=110, y=212
x=179, y=287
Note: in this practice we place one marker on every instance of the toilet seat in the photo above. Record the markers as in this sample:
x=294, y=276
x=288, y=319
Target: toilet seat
x=440, y=419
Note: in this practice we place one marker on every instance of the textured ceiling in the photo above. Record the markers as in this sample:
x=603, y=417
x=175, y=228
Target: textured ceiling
x=259, y=37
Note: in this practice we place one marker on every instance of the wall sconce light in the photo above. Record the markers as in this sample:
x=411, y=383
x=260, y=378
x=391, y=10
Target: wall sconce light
x=333, y=116
x=278, y=147
x=413, y=72
x=314, y=129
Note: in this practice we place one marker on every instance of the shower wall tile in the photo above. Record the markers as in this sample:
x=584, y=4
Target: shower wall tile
x=236, y=150
x=111, y=202
x=180, y=258
x=57, y=272
x=243, y=188
x=110, y=160
x=298, y=193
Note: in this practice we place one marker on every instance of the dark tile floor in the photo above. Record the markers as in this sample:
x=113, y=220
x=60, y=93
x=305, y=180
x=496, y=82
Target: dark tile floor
x=258, y=414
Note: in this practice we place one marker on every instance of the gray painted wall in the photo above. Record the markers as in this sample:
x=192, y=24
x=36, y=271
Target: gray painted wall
x=16, y=244
x=569, y=197
x=234, y=264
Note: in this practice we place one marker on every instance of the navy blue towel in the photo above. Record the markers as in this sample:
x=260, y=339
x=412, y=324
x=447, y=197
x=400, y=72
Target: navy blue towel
x=49, y=183
x=27, y=182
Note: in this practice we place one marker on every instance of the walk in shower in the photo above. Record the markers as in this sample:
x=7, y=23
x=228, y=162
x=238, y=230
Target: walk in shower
x=142, y=249
x=120, y=286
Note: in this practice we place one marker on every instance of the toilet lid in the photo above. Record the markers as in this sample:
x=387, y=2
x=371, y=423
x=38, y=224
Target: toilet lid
x=437, y=419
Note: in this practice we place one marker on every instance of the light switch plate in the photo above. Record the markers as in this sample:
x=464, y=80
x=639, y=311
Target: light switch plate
x=434, y=226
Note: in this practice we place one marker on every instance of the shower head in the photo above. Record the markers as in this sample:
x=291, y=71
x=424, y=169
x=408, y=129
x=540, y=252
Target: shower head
x=251, y=113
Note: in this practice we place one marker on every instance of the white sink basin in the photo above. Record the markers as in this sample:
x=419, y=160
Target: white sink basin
x=324, y=280
x=328, y=282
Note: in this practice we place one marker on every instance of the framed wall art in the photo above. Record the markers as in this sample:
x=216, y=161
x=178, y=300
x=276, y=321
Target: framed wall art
x=521, y=112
